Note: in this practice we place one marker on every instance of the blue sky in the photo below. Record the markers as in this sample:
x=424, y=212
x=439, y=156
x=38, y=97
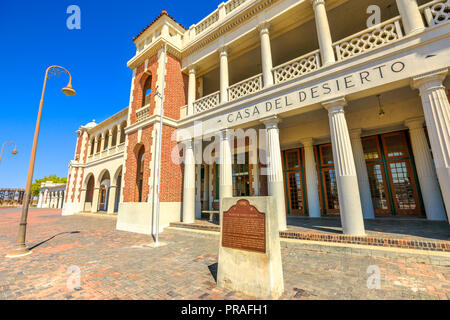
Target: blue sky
x=35, y=36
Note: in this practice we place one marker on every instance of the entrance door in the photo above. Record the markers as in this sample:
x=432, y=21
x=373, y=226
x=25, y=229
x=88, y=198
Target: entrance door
x=295, y=182
x=391, y=175
x=102, y=200
x=327, y=174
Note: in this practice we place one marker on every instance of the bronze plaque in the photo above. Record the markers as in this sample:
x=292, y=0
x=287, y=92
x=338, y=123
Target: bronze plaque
x=244, y=228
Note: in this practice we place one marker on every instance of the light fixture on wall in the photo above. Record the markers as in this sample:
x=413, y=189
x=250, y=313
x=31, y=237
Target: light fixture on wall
x=381, y=112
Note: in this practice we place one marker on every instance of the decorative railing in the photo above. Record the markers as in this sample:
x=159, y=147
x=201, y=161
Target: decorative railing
x=245, y=87
x=436, y=12
x=206, y=103
x=143, y=113
x=208, y=21
x=369, y=39
x=297, y=67
x=121, y=147
x=233, y=4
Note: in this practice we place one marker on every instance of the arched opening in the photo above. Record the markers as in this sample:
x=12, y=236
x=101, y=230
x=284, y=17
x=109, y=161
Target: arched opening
x=89, y=193
x=103, y=196
x=118, y=189
x=106, y=144
x=114, y=137
x=140, y=173
x=147, y=91
x=99, y=143
x=92, y=146
x=122, y=131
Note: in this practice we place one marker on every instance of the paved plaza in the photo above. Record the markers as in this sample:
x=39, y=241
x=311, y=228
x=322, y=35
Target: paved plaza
x=120, y=265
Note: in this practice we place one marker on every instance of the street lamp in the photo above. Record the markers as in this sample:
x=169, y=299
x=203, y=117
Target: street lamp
x=14, y=152
x=21, y=248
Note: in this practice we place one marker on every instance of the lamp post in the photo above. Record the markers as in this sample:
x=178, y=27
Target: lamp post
x=14, y=152
x=21, y=248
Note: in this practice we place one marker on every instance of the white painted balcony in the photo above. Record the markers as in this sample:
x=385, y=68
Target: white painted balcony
x=207, y=103
x=366, y=40
x=436, y=12
x=386, y=33
x=297, y=67
x=143, y=113
x=245, y=87
x=111, y=151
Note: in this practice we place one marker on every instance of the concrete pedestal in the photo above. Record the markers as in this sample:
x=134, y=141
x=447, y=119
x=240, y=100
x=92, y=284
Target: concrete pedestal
x=255, y=273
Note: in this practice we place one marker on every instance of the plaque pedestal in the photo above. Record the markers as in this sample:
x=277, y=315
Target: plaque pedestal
x=249, y=252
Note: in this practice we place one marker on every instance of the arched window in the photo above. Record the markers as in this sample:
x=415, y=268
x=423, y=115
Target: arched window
x=114, y=136
x=99, y=142
x=147, y=90
x=106, y=140
x=122, y=131
x=92, y=146
x=140, y=172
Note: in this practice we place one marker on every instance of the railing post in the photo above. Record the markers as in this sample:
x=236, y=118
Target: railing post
x=323, y=32
x=411, y=17
x=266, y=54
x=191, y=90
x=224, y=81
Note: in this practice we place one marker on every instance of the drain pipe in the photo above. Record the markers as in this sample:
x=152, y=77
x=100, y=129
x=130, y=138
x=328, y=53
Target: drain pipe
x=158, y=171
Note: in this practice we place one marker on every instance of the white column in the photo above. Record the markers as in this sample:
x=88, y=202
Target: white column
x=225, y=167
x=189, y=183
x=431, y=195
x=82, y=200
x=110, y=139
x=266, y=54
x=437, y=117
x=275, y=169
x=224, y=81
x=323, y=32
x=191, y=91
x=111, y=199
x=344, y=165
x=411, y=16
x=41, y=198
x=94, y=207
x=102, y=144
x=312, y=183
x=363, y=177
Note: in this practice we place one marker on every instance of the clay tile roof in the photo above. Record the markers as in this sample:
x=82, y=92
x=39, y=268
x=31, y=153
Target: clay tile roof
x=164, y=12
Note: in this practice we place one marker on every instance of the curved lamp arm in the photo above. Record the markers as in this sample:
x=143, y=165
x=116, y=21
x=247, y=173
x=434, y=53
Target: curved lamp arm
x=14, y=152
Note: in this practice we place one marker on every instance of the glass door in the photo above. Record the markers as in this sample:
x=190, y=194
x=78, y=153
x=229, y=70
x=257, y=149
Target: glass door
x=295, y=181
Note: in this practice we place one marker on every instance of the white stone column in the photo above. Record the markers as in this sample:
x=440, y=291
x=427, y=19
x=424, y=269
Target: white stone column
x=323, y=32
x=431, y=195
x=111, y=199
x=344, y=164
x=225, y=166
x=94, y=206
x=189, y=183
x=437, y=117
x=363, y=177
x=266, y=54
x=224, y=80
x=41, y=198
x=110, y=139
x=102, y=144
x=83, y=200
x=275, y=182
x=312, y=183
x=411, y=16
x=191, y=90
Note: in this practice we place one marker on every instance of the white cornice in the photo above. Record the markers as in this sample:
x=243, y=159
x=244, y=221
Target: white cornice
x=150, y=121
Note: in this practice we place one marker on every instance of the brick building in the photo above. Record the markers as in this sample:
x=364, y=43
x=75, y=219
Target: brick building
x=354, y=114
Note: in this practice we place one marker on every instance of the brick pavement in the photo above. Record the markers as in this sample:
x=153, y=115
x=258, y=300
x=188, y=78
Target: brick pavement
x=118, y=265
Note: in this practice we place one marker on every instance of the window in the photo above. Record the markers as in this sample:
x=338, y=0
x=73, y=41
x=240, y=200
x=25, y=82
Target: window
x=99, y=143
x=122, y=131
x=147, y=91
x=140, y=172
x=92, y=146
x=106, y=140
x=114, y=137
x=241, y=177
